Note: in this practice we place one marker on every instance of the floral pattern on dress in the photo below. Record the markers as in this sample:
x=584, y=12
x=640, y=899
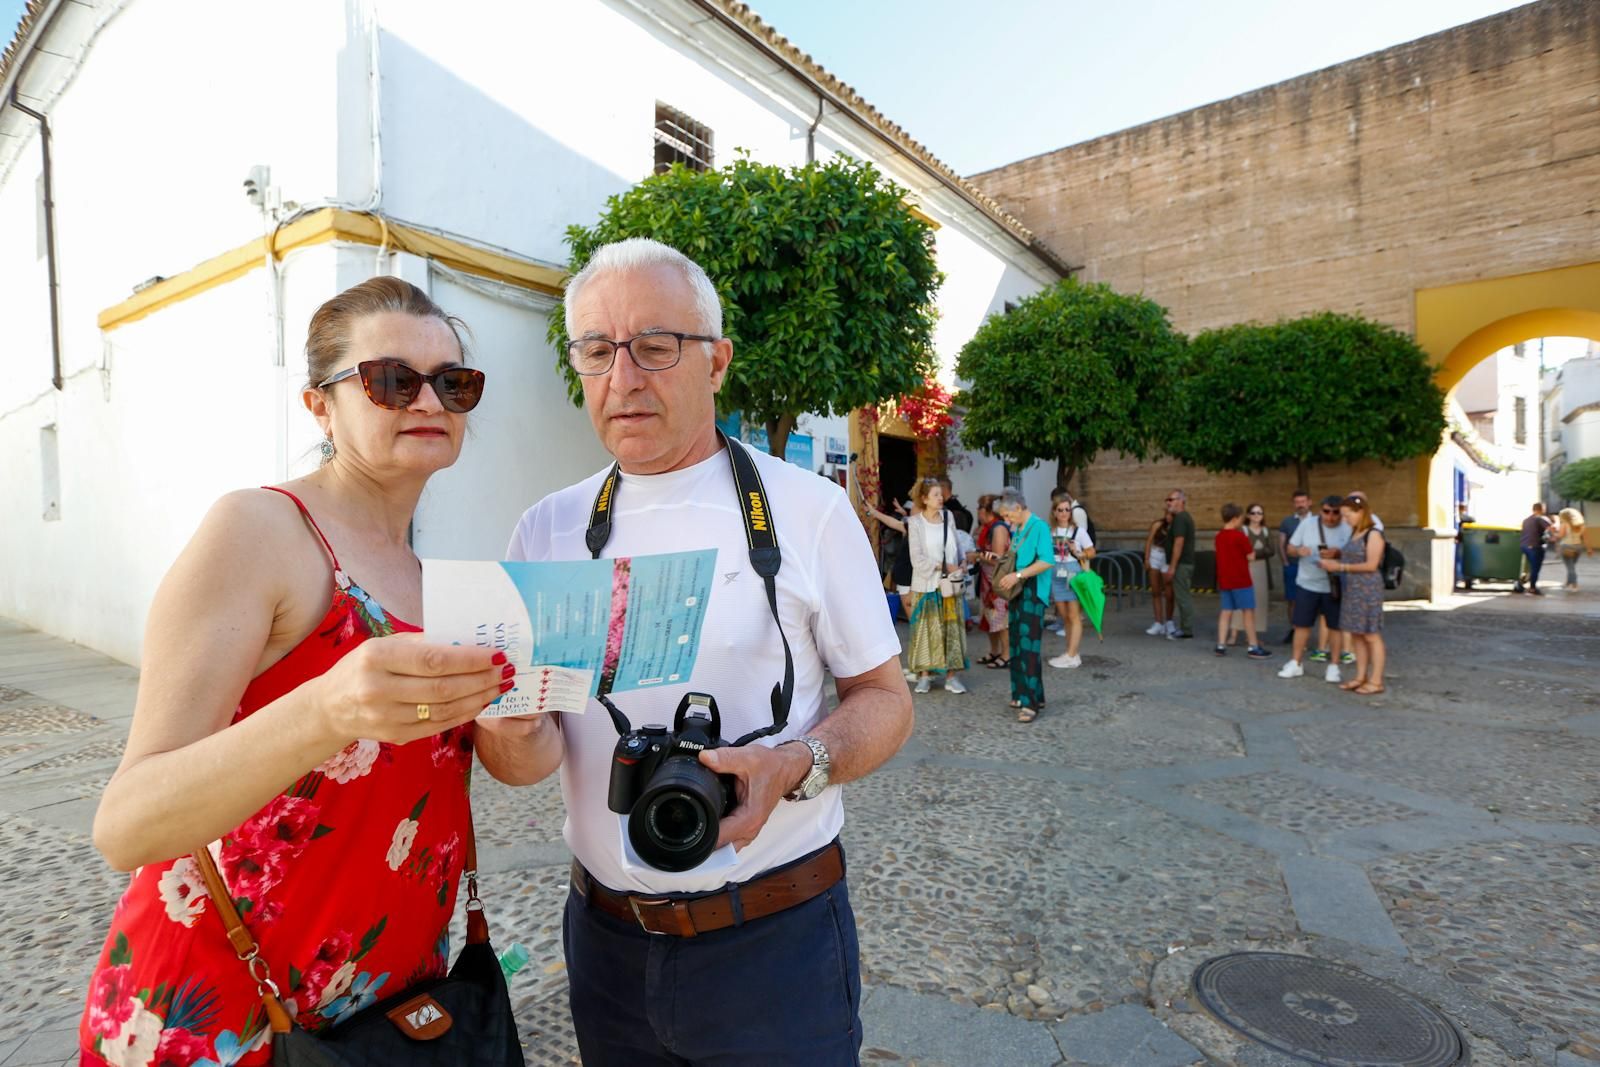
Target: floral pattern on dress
x=340, y=925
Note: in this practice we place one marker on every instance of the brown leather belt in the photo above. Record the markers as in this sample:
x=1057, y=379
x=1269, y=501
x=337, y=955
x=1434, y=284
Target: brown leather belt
x=732, y=905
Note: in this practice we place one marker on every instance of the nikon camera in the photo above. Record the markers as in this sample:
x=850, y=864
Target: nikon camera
x=673, y=802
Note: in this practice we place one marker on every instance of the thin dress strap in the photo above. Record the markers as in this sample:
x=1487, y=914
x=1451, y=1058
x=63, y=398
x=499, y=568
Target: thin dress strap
x=338, y=572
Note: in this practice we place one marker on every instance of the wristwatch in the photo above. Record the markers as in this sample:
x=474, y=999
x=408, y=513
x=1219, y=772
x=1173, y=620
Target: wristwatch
x=816, y=781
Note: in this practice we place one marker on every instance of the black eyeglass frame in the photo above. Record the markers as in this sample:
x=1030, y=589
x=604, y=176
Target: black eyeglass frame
x=572, y=344
x=446, y=396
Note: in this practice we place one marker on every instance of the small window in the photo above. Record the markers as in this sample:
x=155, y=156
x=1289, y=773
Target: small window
x=1520, y=350
x=1013, y=476
x=50, y=472
x=1519, y=407
x=680, y=139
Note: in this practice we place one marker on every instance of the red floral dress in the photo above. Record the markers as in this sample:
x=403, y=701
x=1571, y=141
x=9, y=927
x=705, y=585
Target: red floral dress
x=347, y=879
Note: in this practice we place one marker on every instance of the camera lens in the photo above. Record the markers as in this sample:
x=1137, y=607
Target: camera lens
x=676, y=821
x=673, y=827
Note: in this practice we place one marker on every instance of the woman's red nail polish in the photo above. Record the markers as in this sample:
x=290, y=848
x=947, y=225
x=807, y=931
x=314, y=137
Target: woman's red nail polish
x=508, y=670
x=498, y=658
x=506, y=687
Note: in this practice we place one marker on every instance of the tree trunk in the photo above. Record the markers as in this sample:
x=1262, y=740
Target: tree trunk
x=1066, y=470
x=1302, y=475
x=778, y=434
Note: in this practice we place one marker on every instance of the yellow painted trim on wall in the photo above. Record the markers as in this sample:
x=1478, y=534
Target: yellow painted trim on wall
x=332, y=224
x=1460, y=326
x=918, y=213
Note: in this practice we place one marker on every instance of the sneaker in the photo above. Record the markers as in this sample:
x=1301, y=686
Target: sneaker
x=1181, y=635
x=911, y=676
x=1172, y=627
x=953, y=684
x=1332, y=674
x=1318, y=656
x=1222, y=650
x=1057, y=628
x=1156, y=629
x=1291, y=670
x=1535, y=590
x=923, y=685
x=1517, y=588
x=1257, y=652
x=1066, y=661
x=1347, y=659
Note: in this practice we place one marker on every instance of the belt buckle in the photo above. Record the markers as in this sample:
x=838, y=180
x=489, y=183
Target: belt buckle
x=676, y=908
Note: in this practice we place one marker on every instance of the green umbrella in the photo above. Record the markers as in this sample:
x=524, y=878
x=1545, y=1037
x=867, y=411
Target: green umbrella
x=1092, y=596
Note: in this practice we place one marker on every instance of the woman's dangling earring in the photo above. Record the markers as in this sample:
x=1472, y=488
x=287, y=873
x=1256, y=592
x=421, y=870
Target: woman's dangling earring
x=327, y=448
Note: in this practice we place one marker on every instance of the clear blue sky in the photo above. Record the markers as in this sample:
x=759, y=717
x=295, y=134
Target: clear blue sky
x=986, y=82
x=982, y=84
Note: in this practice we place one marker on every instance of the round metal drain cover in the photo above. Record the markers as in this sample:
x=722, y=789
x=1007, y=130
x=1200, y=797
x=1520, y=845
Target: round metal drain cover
x=1323, y=1013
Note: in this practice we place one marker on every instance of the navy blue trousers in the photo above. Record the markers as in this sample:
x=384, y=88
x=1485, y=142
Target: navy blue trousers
x=780, y=991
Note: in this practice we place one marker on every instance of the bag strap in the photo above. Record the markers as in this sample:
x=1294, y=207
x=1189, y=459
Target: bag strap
x=249, y=951
x=761, y=536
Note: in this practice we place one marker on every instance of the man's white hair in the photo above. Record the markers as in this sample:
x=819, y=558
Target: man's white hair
x=637, y=253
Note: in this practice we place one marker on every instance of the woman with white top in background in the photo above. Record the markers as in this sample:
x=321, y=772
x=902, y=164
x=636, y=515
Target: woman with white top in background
x=938, y=641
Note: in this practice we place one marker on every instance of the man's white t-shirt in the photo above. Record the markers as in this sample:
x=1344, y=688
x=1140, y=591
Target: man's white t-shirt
x=1310, y=575
x=830, y=598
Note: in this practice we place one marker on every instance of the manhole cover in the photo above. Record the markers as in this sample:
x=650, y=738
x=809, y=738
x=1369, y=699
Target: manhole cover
x=1323, y=1013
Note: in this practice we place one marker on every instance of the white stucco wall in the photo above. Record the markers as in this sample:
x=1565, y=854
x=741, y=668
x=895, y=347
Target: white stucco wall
x=503, y=138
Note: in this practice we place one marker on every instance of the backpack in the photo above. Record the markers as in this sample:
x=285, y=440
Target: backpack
x=1086, y=522
x=1393, y=566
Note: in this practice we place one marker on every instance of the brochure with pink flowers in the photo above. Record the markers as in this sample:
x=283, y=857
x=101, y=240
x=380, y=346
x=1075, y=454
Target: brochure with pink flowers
x=575, y=626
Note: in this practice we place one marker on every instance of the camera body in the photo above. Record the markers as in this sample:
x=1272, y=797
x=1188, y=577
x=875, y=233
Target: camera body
x=673, y=802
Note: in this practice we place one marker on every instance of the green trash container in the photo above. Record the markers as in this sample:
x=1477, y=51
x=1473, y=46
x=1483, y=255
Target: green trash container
x=1491, y=553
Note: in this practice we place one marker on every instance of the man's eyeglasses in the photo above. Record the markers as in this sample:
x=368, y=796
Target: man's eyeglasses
x=654, y=351
x=393, y=385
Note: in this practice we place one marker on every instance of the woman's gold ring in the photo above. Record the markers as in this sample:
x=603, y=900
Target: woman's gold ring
x=423, y=711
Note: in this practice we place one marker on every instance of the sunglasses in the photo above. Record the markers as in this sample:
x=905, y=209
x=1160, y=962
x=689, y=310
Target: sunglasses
x=1258, y=513
x=1330, y=511
x=393, y=385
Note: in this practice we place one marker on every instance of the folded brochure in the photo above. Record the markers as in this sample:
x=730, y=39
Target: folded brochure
x=571, y=627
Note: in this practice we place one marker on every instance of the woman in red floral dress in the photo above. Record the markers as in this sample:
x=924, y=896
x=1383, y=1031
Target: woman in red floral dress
x=323, y=754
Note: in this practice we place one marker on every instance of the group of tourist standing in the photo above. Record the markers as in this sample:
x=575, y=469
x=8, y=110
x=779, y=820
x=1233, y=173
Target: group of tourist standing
x=1022, y=567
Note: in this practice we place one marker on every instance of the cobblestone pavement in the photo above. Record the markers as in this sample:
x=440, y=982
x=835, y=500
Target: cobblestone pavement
x=1040, y=894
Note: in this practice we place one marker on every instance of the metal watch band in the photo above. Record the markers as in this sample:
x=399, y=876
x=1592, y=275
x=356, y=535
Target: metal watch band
x=817, y=780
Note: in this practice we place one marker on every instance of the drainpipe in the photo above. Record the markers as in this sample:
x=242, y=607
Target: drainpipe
x=49, y=239
x=811, y=134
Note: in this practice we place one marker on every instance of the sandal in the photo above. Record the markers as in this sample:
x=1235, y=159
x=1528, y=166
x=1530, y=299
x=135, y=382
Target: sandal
x=986, y=660
x=1367, y=689
x=1354, y=684
x=999, y=663
x=1027, y=714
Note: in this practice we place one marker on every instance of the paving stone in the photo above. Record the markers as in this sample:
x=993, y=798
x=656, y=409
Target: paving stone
x=1123, y=1036
x=1019, y=877
x=936, y=1030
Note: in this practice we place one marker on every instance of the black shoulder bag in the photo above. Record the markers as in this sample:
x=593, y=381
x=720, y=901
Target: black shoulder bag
x=463, y=1018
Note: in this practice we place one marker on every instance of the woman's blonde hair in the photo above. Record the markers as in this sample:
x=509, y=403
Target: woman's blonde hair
x=1363, y=523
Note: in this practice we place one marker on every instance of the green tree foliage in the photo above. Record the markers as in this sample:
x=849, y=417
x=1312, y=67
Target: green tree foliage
x=1069, y=372
x=1578, y=480
x=827, y=280
x=1325, y=388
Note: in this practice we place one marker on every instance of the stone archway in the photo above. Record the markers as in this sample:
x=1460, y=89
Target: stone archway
x=1460, y=326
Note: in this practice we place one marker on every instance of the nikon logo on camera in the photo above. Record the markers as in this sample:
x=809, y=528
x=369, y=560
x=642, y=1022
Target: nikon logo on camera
x=758, y=513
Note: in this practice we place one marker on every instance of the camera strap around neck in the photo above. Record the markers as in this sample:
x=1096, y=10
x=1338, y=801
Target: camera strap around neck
x=762, y=538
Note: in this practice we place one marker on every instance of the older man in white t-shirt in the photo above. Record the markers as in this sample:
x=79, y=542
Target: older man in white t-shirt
x=751, y=956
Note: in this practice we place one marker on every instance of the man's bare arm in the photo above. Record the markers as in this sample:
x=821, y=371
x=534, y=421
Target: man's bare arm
x=872, y=721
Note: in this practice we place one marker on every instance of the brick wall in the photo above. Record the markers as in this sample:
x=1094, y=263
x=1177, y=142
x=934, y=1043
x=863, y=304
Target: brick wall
x=1470, y=154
